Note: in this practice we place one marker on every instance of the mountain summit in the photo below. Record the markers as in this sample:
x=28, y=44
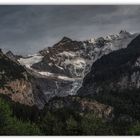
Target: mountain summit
x=65, y=39
x=64, y=65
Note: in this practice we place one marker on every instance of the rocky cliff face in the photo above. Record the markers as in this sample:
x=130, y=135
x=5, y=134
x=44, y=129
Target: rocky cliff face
x=16, y=82
x=82, y=105
x=12, y=56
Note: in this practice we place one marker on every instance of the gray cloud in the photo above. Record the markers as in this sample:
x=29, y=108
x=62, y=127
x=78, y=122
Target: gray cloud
x=27, y=29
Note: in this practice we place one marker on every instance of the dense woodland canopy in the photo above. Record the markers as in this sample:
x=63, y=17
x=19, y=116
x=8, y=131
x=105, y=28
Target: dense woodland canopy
x=17, y=119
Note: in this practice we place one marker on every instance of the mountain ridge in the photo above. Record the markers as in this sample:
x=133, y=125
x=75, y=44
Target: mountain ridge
x=60, y=69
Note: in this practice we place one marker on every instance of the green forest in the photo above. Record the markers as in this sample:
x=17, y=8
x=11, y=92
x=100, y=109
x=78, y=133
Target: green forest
x=17, y=119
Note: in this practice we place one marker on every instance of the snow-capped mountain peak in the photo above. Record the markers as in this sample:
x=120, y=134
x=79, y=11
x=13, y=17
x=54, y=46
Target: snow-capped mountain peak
x=69, y=61
x=65, y=39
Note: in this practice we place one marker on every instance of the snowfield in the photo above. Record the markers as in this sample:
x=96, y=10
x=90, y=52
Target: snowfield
x=29, y=61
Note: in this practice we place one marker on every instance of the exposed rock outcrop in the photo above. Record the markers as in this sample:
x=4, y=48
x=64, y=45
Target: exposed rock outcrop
x=82, y=105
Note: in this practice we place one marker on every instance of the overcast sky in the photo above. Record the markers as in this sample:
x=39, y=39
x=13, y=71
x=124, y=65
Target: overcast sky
x=27, y=29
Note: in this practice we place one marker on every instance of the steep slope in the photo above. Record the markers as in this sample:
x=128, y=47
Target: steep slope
x=16, y=82
x=114, y=79
x=12, y=56
x=60, y=69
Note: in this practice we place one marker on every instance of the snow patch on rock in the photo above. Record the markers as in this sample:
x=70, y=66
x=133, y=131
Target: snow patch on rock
x=29, y=61
x=65, y=78
x=67, y=54
x=46, y=73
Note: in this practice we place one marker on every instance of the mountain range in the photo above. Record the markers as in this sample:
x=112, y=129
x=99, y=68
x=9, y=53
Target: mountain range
x=99, y=75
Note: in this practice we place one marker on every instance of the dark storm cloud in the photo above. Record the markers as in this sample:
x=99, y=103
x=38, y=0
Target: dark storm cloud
x=27, y=29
